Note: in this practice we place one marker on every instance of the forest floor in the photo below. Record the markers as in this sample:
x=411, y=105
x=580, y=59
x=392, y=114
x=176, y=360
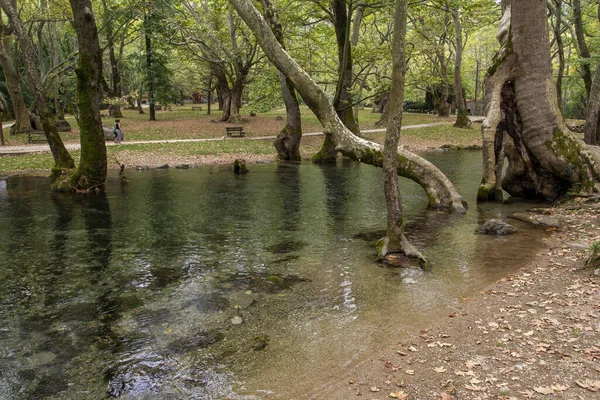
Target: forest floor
x=534, y=335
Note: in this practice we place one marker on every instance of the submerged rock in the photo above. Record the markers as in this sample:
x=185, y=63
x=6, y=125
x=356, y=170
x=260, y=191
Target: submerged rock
x=182, y=166
x=164, y=166
x=399, y=260
x=497, y=227
x=260, y=342
x=537, y=219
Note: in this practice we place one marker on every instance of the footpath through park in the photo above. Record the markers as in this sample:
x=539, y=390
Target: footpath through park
x=41, y=148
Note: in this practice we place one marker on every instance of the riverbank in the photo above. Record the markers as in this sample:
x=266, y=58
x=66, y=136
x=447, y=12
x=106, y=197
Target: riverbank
x=532, y=335
x=185, y=137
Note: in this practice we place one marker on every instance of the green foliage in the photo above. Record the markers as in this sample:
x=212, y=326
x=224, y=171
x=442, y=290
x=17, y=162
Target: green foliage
x=593, y=261
x=264, y=92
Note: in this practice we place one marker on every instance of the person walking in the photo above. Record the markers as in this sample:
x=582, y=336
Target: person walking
x=118, y=132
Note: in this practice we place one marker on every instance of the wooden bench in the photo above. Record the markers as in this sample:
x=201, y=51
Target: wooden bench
x=196, y=108
x=235, y=131
x=36, y=137
x=158, y=108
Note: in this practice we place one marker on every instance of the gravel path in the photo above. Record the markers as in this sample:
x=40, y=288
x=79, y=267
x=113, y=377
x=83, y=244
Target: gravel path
x=41, y=148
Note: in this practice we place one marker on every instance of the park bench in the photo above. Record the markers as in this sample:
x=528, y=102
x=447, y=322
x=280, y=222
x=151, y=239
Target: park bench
x=235, y=131
x=36, y=137
x=196, y=108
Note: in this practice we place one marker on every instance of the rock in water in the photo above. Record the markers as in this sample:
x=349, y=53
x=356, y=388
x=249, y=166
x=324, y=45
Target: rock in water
x=237, y=320
x=497, y=227
x=239, y=166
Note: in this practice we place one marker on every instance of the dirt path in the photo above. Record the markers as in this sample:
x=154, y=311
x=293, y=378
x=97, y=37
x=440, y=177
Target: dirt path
x=41, y=148
x=534, y=335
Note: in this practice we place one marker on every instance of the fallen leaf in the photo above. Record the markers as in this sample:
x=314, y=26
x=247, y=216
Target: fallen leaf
x=592, y=386
x=399, y=395
x=374, y=389
x=410, y=372
x=440, y=369
x=543, y=390
x=559, y=387
x=473, y=388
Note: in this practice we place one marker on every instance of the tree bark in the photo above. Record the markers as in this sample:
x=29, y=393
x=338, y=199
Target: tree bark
x=462, y=117
x=395, y=240
x=91, y=172
x=288, y=140
x=62, y=158
x=523, y=120
x=441, y=192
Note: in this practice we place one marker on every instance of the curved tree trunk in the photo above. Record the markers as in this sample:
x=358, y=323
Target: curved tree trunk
x=441, y=192
x=288, y=140
x=62, y=158
x=523, y=120
x=236, y=102
x=395, y=240
x=90, y=175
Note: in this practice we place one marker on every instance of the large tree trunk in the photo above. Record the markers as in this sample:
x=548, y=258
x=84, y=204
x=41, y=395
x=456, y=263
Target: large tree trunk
x=91, y=172
x=462, y=117
x=62, y=158
x=395, y=240
x=560, y=51
x=13, y=85
x=440, y=191
x=523, y=120
x=288, y=140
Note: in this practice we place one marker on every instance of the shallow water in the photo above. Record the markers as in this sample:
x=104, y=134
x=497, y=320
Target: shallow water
x=138, y=294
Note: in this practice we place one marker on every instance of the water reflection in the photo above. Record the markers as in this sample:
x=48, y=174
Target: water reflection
x=183, y=283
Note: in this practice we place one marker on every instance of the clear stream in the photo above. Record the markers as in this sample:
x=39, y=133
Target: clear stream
x=202, y=284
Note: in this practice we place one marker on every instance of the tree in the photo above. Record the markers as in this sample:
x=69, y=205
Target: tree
x=592, y=122
x=462, y=118
x=440, y=191
x=62, y=158
x=395, y=241
x=91, y=172
x=12, y=77
x=523, y=121
x=287, y=142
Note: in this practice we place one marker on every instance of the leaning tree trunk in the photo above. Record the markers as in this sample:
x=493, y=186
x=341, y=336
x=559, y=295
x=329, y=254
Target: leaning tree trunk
x=288, y=140
x=395, y=240
x=523, y=121
x=62, y=158
x=440, y=191
x=90, y=175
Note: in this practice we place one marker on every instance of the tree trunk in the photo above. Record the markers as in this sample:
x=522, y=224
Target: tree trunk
x=462, y=117
x=13, y=85
x=91, y=172
x=114, y=111
x=342, y=100
x=560, y=51
x=395, y=241
x=62, y=158
x=592, y=122
x=440, y=191
x=584, y=52
x=523, y=119
x=236, y=102
x=288, y=140
x=149, y=69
